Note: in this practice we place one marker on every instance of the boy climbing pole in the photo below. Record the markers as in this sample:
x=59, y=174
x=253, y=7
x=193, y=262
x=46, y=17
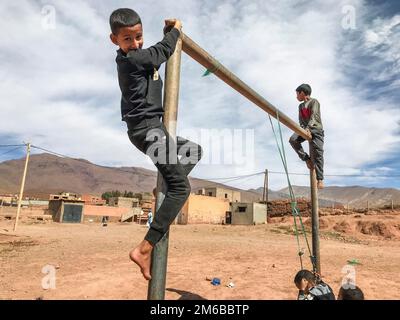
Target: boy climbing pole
x=310, y=120
x=142, y=110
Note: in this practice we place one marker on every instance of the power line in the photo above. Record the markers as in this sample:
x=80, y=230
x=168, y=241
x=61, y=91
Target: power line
x=307, y=174
x=225, y=180
x=245, y=179
x=364, y=175
x=9, y=151
x=11, y=145
x=228, y=179
x=243, y=176
x=342, y=175
x=236, y=179
x=80, y=160
x=55, y=153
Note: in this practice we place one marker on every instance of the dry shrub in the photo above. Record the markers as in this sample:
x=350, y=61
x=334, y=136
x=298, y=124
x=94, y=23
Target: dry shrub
x=376, y=228
x=342, y=226
x=323, y=224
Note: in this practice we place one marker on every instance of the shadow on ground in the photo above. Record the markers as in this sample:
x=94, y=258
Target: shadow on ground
x=185, y=295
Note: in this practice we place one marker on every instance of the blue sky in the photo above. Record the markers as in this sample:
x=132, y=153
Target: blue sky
x=59, y=85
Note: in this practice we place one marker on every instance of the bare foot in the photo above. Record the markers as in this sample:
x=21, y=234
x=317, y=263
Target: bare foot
x=320, y=184
x=141, y=255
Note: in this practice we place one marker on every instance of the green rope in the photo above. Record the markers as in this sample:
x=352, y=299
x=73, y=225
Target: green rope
x=297, y=213
x=212, y=70
x=293, y=203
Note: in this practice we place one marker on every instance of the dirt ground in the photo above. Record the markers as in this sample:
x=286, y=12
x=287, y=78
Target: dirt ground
x=91, y=261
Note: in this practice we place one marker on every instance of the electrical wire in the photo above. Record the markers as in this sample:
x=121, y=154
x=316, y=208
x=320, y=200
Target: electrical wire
x=9, y=151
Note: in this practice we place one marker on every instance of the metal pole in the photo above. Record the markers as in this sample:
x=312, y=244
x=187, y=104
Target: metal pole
x=156, y=289
x=21, y=192
x=315, y=217
x=392, y=205
x=367, y=206
x=205, y=59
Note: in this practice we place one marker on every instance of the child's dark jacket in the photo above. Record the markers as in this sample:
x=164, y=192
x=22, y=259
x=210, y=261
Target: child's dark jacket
x=140, y=83
x=321, y=291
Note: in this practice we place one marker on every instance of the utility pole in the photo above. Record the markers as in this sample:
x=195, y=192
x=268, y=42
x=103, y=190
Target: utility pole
x=265, y=190
x=21, y=192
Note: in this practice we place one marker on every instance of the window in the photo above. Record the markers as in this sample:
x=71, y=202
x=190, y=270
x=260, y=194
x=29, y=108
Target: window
x=242, y=209
x=226, y=196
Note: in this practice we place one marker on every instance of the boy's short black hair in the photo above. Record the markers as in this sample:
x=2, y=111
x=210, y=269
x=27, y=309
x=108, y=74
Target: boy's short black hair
x=306, y=88
x=123, y=17
x=351, y=293
x=304, y=274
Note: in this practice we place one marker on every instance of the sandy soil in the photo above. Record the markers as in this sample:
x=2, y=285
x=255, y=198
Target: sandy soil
x=92, y=261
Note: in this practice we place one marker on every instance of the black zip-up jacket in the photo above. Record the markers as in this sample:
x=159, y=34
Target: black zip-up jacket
x=140, y=83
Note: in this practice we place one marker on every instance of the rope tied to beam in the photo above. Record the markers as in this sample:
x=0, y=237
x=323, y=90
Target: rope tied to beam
x=213, y=70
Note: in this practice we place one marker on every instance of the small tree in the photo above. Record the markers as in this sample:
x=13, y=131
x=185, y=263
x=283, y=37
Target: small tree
x=106, y=196
x=115, y=194
x=130, y=194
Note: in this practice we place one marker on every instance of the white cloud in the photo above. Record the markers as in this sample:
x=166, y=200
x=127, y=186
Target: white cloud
x=382, y=40
x=62, y=83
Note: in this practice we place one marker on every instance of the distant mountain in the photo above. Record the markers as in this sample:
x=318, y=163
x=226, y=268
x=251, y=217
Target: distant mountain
x=284, y=194
x=355, y=196
x=272, y=195
x=49, y=174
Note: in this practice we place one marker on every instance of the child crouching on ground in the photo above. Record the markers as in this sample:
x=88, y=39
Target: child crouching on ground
x=312, y=288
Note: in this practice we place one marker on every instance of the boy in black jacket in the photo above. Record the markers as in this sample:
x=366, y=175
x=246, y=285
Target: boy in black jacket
x=141, y=109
